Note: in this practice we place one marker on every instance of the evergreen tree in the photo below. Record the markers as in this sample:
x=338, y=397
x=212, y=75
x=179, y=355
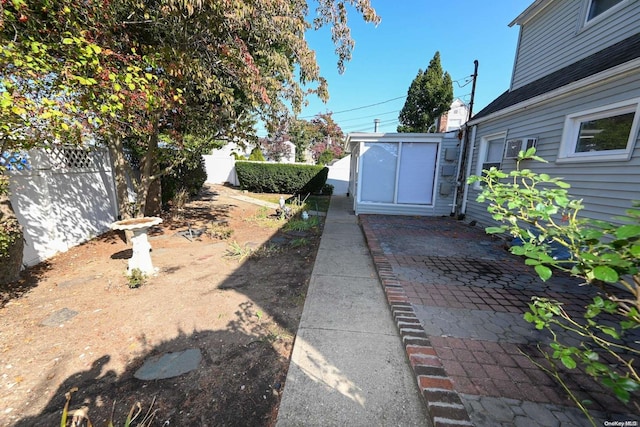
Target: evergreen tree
x=429, y=96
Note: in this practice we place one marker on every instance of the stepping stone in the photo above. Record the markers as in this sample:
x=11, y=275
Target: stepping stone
x=169, y=365
x=59, y=317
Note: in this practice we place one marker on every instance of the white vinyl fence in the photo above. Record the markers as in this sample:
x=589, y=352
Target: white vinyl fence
x=66, y=198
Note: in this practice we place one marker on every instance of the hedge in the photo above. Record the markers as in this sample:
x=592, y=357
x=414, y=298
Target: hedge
x=283, y=178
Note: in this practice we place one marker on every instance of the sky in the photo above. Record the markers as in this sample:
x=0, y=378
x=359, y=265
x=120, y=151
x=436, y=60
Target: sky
x=387, y=57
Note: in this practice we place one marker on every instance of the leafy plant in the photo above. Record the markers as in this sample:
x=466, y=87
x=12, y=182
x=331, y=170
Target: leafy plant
x=237, y=251
x=136, y=278
x=537, y=210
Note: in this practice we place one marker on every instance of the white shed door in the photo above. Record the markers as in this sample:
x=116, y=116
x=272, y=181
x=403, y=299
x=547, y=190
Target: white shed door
x=416, y=173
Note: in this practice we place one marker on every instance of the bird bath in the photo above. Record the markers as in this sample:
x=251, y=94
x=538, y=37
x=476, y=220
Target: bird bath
x=141, y=258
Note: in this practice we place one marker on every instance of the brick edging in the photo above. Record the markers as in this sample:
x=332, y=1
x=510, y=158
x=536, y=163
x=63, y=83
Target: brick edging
x=443, y=403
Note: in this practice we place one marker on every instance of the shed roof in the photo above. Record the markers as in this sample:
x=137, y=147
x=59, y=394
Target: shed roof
x=609, y=57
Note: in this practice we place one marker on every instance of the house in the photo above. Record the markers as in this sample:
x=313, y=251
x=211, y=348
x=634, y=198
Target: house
x=454, y=118
x=575, y=95
x=403, y=173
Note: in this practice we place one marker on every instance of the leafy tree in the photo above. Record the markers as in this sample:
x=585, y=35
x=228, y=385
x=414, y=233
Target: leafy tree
x=538, y=210
x=302, y=134
x=124, y=70
x=429, y=97
x=275, y=149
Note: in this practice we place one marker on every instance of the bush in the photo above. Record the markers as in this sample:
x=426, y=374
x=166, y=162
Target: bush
x=327, y=190
x=538, y=210
x=189, y=175
x=281, y=178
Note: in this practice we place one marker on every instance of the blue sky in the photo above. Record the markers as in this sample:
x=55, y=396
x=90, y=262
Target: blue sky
x=387, y=58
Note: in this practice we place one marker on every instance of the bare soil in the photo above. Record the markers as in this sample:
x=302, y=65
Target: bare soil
x=74, y=321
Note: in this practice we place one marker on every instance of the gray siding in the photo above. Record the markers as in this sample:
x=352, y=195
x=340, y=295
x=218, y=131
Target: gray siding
x=608, y=188
x=556, y=38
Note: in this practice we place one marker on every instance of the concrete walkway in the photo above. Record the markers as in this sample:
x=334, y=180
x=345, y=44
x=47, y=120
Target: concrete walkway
x=348, y=367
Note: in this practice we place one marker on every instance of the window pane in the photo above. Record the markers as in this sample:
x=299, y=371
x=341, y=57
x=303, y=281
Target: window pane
x=416, y=174
x=494, y=150
x=379, y=172
x=609, y=133
x=599, y=6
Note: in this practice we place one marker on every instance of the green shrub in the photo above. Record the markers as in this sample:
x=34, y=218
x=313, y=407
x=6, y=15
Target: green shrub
x=538, y=210
x=189, y=175
x=327, y=190
x=281, y=178
x=256, y=155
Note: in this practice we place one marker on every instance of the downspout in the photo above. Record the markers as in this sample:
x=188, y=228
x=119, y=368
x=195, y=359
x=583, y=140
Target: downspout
x=463, y=209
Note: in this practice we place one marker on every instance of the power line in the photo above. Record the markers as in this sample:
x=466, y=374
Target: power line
x=360, y=108
x=371, y=115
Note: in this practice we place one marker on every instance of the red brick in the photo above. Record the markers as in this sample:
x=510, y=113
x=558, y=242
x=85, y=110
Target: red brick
x=420, y=351
x=434, y=383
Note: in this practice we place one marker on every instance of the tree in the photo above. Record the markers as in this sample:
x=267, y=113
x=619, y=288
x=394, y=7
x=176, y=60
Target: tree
x=429, y=97
x=275, y=149
x=538, y=210
x=129, y=71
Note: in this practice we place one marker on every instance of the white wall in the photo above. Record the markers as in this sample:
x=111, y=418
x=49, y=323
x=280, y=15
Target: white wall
x=339, y=176
x=220, y=165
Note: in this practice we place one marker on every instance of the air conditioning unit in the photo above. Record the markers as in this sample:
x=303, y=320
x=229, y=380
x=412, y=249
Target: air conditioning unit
x=514, y=146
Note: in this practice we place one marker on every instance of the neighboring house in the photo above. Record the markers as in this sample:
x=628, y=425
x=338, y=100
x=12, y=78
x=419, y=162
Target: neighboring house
x=575, y=95
x=454, y=118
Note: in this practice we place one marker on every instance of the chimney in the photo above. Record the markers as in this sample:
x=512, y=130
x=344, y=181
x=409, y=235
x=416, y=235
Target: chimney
x=376, y=122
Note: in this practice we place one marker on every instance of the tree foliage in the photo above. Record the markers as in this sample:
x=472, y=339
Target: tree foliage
x=429, y=97
x=123, y=70
x=538, y=210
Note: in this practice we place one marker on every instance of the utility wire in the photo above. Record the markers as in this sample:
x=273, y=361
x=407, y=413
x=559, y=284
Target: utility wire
x=360, y=108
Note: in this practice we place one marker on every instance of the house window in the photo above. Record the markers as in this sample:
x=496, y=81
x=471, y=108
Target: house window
x=490, y=153
x=602, y=134
x=598, y=7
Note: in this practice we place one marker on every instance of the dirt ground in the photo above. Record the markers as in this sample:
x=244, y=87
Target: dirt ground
x=74, y=321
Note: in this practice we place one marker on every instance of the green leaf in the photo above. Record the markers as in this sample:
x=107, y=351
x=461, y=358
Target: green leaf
x=606, y=274
x=67, y=40
x=494, y=230
x=568, y=361
x=627, y=231
x=543, y=271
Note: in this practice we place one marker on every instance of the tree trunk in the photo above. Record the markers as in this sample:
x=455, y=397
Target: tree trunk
x=148, y=168
x=11, y=230
x=116, y=149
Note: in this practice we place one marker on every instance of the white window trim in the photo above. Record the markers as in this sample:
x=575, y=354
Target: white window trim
x=572, y=122
x=482, y=153
x=585, y=12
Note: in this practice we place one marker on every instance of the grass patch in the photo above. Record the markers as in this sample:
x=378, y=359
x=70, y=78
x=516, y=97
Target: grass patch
x=296, y=224
x=305, y=203
x=237, y=251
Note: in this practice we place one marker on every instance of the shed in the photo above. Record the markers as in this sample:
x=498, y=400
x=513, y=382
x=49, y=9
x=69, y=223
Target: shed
x=403, y=173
